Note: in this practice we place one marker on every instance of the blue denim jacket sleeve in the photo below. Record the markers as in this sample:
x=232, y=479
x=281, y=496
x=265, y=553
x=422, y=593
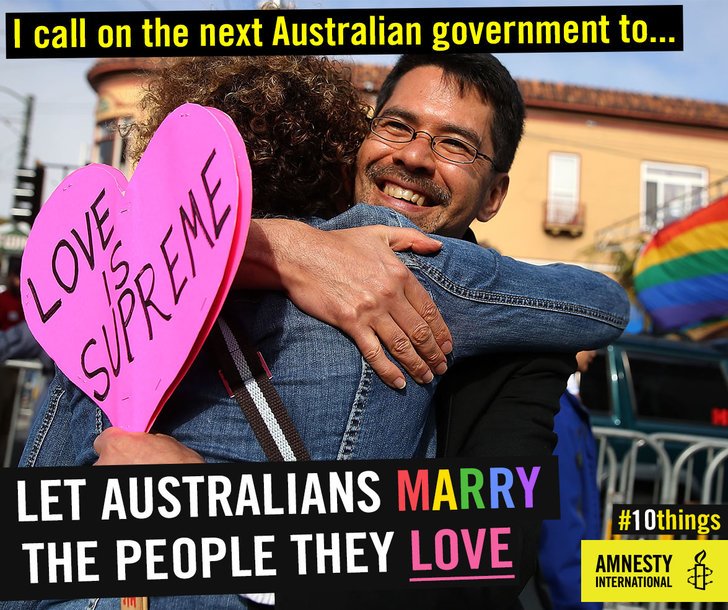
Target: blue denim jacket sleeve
x=492, y=302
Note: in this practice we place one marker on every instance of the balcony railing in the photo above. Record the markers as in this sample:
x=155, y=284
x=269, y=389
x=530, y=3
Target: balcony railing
x=564, y=217
x=634, y=230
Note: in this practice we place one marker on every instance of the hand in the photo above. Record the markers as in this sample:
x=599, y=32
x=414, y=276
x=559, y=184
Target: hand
x=118, y=447
x=352, y=280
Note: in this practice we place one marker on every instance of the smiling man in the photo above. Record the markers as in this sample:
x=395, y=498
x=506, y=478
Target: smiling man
x=444, y=136
x=432, y=157
x=464, y=106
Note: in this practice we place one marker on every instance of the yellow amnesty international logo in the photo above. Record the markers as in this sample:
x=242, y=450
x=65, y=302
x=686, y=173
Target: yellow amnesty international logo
x=654, y=570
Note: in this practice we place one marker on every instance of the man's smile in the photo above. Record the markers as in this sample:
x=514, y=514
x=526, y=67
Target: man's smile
x=403, y=193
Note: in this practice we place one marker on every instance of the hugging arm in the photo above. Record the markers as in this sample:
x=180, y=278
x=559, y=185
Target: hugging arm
x=351, y=279
x=493, y=303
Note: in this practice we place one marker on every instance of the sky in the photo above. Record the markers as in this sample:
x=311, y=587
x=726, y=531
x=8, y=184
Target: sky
x=62, y=126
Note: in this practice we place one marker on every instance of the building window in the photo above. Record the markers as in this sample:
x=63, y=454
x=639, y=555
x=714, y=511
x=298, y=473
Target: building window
x=563, y=208
x=111, y=143
x=671, y=192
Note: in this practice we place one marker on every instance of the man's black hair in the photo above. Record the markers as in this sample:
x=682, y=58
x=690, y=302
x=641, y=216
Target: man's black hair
x=490, y=78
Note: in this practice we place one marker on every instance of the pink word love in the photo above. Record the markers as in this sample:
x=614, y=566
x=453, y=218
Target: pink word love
x=462, y=550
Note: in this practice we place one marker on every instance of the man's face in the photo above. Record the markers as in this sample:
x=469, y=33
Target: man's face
x=450, y=195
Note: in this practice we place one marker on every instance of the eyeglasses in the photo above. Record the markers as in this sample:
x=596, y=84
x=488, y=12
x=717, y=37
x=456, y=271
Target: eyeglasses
x=450, y=149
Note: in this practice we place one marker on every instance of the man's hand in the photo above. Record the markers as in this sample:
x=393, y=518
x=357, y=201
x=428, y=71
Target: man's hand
x=118, y=447
x=352, y=279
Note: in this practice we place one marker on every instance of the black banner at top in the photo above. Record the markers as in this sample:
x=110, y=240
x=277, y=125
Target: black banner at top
x=346, y=32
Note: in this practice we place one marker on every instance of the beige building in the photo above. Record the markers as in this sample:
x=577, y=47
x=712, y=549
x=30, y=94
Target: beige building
x=597, y=169
x=604, y=167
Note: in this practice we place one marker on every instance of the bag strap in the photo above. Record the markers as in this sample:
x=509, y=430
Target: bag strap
x=248, y=380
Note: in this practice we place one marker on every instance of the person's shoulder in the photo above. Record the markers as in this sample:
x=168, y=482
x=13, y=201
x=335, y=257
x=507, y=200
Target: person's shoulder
x=363, y=214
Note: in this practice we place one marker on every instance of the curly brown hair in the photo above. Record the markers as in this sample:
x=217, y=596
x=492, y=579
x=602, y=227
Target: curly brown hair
x=301, y=118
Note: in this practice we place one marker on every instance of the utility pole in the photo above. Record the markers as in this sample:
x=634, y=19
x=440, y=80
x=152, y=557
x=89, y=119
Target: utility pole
x=28, y=101
x=25, y=137
x=28, y=182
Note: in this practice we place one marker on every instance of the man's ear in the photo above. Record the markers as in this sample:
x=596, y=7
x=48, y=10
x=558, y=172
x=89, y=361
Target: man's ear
x=494, y=198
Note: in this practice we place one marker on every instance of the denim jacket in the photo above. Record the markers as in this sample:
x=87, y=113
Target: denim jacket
x=341, y=408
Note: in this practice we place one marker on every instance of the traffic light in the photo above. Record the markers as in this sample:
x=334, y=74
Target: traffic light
x=28, y=193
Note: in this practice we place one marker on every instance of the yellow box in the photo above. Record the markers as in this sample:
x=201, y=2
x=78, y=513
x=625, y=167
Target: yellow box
x=654, y=570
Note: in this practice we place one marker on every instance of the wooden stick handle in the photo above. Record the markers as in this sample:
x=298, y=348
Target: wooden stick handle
x=134, y=603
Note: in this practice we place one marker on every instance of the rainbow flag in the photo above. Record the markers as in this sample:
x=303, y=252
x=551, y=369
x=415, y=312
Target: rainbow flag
x=681, y=275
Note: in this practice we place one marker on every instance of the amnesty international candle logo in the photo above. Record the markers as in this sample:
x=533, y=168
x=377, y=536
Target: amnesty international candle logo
x=700, y=572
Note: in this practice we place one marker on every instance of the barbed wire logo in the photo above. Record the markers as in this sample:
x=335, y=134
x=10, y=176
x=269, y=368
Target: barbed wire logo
x=700, y=572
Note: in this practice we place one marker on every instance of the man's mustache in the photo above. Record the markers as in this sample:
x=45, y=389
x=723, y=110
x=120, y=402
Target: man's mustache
x=435, y=194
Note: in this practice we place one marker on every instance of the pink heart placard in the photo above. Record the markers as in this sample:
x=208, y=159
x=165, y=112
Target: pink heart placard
x=122, y=281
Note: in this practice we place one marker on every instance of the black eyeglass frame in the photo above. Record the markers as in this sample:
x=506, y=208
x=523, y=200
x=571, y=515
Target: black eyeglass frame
x=433, y=141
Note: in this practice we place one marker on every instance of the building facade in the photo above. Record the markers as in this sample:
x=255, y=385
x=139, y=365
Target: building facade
x=597, y=170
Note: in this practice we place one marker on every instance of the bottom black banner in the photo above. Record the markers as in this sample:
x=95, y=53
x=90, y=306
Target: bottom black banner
x=236, y=528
